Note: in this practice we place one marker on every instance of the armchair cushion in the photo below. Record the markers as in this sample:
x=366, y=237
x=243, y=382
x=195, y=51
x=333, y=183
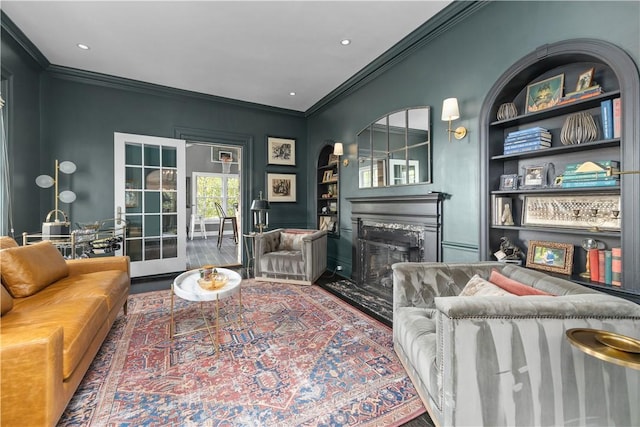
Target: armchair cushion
x=292, y=241
x=29, y=269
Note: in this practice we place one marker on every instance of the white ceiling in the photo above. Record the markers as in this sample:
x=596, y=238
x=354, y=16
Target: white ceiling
x=256, y=51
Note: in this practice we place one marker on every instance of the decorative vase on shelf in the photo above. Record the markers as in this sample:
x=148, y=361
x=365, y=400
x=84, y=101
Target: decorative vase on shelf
x=578, y=128
x=507, y=111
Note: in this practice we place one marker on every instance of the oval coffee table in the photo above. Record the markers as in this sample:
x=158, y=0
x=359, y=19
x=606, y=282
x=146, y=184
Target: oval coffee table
x=186, y=286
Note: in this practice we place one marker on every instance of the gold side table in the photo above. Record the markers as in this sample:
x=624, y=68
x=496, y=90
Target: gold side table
x=608, y=346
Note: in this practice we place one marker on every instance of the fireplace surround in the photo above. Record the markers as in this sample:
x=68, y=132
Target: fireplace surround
x=393, y=229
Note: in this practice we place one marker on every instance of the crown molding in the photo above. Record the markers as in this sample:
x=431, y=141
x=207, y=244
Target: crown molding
x=23, y=41
x=443, y=21
x=106, y=80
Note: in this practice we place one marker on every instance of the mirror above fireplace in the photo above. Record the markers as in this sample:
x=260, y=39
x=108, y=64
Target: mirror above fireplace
x=396, y=149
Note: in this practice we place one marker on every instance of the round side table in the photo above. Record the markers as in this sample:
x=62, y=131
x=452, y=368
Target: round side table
x=609, y=346
x=186, y=286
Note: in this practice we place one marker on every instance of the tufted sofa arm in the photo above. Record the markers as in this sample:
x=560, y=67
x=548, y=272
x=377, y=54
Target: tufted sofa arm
x=506, y=360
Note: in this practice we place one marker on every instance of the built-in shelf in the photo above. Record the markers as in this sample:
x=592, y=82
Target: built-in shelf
x=565, y=149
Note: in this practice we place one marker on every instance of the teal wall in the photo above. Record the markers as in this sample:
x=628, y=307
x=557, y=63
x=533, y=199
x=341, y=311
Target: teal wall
x=23, y=100
x=462, y=62
x=72, y=117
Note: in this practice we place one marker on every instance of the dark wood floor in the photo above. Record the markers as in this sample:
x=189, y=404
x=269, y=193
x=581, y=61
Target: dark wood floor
x=201, y=251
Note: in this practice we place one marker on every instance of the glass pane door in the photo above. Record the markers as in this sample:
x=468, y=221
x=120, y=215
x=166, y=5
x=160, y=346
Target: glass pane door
x=149, y=189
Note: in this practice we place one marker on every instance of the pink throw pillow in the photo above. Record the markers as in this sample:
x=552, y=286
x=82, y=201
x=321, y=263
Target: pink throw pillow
x=514, y=286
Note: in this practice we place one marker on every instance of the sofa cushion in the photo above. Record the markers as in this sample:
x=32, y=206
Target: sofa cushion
x=7, y=242
x=477, y=286
x=28, y=269
x=292, y=241
x=514, y=286
x=283, y=263
x=80, y=319
x=6, y=301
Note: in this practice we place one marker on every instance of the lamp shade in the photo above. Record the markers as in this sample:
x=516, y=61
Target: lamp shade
x=338, y=149
x=67, y=196
x=67, y=167
x=260, y=205
x=44, y=181
x=450, y=109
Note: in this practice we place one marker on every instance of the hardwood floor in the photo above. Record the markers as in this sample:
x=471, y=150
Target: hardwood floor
x=201, y=251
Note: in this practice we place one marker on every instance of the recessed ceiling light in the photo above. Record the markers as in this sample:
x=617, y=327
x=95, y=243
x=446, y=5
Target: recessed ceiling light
x=345, y=42
x=292, y=93
x=83, y=46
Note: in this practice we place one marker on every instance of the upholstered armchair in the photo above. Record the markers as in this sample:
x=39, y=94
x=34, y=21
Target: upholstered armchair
x=290, y=255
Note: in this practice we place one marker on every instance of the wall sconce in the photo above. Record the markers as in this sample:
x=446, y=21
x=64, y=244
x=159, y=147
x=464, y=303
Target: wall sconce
x=451, y=112
x=260, y=209
x=338, y=150
x=45, y=181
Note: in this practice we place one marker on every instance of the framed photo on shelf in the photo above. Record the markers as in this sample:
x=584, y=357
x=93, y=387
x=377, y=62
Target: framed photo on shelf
x=328, y=176
x=509, y=182
x=550, y=256
x=584, y=80
x=544, y=94
x=281, y=187
x=281, y=151
x=534, y=176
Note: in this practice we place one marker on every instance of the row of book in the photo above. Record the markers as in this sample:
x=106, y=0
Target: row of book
x=611, y=116
x=524, y=140
x=591, y=91
x=605, y=266
x=591, y=174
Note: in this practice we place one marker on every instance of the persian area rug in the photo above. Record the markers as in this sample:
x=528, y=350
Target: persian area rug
x=301, y=357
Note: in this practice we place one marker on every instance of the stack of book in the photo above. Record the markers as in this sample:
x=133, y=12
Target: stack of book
x=605, y=266
x=527, y=140
x=591, y=91
x=591, y=174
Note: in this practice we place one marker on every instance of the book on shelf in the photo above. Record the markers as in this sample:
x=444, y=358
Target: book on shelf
x=589, y=166
x=607, y=267
x=499, y=204
x=515, y=150
x=601, y=267
x=527, y=140
x=589, y=176
x=589, y=183
x=594, y=265
x=616, y=266
x=606, y=111
x=576, y=96
x=534, y=130
x=528, y=136
x=617, y=117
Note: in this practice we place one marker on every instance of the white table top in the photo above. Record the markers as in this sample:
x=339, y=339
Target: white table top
x=186, y=286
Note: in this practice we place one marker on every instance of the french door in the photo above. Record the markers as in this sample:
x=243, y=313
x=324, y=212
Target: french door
x=149, y=191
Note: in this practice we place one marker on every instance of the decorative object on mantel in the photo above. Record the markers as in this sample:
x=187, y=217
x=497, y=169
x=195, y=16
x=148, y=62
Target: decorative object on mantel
x=578, y=128
x=57, y=227
x=450, y=111
x=507, y=111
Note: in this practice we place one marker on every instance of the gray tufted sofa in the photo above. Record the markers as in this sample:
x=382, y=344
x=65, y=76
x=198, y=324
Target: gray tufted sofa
x=497, y=361
x=299, y=258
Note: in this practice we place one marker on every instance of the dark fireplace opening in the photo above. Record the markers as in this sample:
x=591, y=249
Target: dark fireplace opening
x=381, y=246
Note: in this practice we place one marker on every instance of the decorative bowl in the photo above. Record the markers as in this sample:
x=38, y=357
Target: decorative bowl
x=217, y=281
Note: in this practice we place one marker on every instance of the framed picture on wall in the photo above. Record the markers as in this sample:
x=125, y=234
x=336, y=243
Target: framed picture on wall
x=281, y=151
x=281, y=187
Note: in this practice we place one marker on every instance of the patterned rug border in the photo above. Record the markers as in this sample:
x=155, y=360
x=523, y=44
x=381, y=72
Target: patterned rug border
x=96, y=397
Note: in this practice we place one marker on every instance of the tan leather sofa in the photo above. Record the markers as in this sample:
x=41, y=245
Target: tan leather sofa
x=55, y=316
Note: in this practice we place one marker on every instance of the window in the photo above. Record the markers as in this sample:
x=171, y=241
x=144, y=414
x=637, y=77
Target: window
x=212, y=188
